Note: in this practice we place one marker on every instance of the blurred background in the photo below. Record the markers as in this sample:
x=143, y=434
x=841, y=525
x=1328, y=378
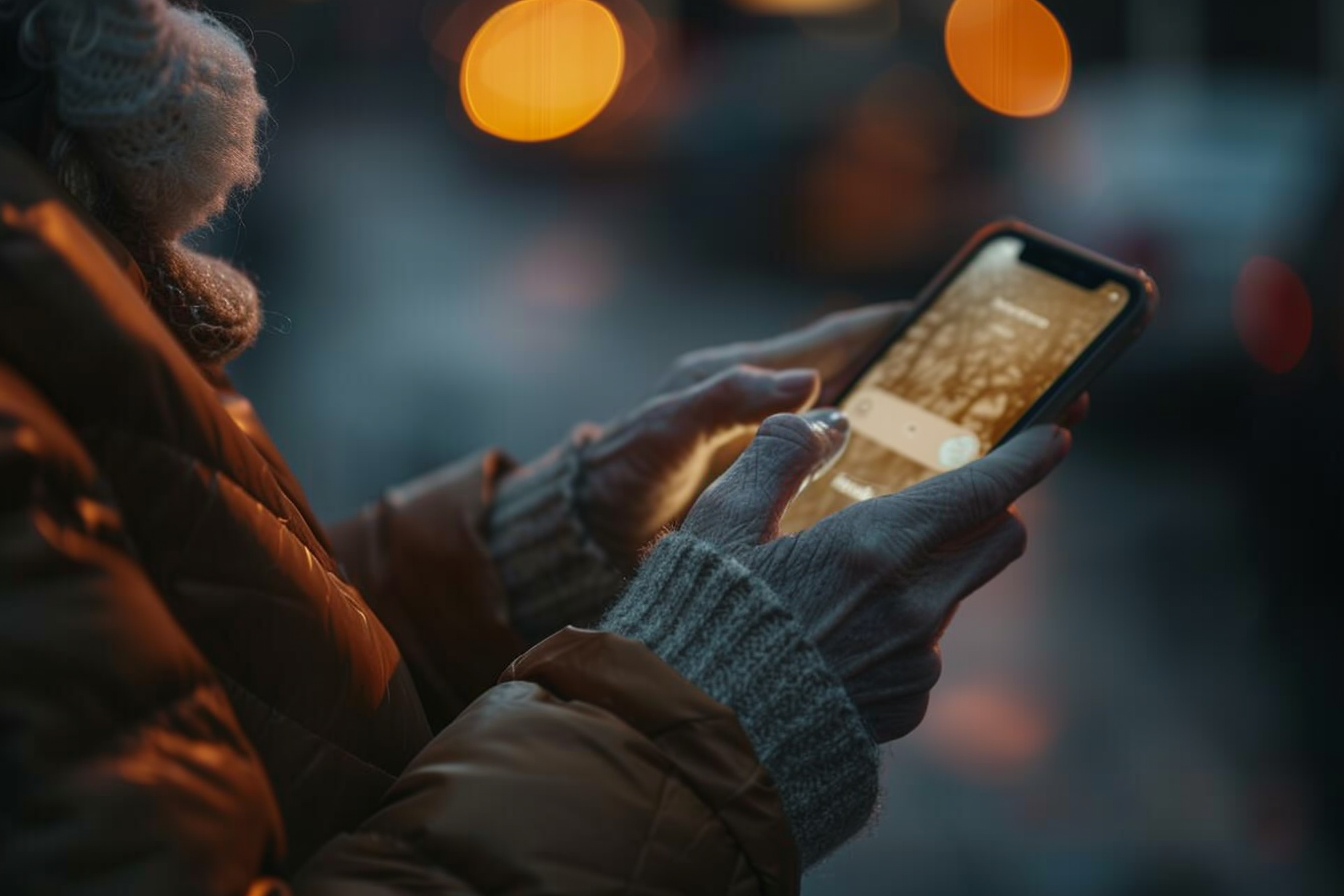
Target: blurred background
x=1149, y=702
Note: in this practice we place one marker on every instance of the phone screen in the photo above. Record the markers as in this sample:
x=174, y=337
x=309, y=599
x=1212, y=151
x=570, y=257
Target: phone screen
x=960, y=377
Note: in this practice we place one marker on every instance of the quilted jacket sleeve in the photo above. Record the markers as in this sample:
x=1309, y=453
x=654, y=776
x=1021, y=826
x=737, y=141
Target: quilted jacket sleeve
x=593, y=768
x=122, y=768
x=419, y=558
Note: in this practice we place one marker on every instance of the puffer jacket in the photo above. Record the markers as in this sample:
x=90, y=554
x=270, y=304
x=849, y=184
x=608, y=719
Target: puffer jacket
x=203, y=692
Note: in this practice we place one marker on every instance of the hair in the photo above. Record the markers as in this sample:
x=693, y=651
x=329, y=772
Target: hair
x=157, y=123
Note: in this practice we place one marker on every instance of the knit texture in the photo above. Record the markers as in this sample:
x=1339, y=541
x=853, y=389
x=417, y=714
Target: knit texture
x=554, y=574
x=169, y=99
x=160, y=114
x=720, y=626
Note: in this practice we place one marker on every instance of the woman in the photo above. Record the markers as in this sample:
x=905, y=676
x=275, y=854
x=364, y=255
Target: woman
x=204, y=691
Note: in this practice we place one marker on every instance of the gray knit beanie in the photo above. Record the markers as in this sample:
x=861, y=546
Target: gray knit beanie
x=159, y=115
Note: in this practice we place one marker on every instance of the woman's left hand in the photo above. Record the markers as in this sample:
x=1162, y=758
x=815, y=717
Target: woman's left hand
x=643, y=472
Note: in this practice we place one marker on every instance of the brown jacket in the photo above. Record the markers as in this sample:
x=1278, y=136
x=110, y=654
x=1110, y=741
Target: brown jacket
x=201, y=691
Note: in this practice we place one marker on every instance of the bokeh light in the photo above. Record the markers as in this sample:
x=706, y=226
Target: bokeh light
x=1272, y=313
x=988, y=729
x=541, y=69
x=570, y=266
x=870, y=22
x=896, y=140
x=1011, y=56
x=803, y=7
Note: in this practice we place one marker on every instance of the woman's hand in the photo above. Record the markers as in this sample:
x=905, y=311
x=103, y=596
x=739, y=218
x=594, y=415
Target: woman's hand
x=642, y=473
x=874, y=585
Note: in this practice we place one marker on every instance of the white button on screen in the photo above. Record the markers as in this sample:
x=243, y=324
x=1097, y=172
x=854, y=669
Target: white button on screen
x=911, y=431
x=958, y=451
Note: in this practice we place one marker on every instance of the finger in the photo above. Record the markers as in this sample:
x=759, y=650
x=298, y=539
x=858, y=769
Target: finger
x=894, y=720
x=953, y=504
x=831, y=343
x=696, y=422
x=1077, y=412
x=829, y=346
x=969, y=564
x=973, y=495
x=745, y=504
x=737, y=423
x=728, y=451
x=739, y=397
x=922, y=605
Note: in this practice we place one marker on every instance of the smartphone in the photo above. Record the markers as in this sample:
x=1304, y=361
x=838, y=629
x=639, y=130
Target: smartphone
x=1008, y=335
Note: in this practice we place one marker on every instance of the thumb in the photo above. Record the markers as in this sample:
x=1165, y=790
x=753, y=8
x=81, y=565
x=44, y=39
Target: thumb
x=744, y=505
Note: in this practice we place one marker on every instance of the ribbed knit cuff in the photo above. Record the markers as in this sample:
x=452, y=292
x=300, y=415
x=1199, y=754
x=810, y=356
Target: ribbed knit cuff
x=553, y=572
x=720, y=626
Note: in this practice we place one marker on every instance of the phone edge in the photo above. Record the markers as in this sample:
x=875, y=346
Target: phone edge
x=1050, y=407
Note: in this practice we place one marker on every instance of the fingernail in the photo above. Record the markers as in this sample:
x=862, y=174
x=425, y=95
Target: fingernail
x=832, y=425
x=796, y=382
x=829, y=418
x=1063, y=439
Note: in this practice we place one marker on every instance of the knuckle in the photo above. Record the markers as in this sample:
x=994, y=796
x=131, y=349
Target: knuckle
x=909, y=513
x=928, y=669
x=1015, y=536
x=736, y=379
x=870, y=551
x=922, y=510
x=694, y=367
x=878, y=536
x=727, y=391
x=983, y=492
x=906, y=717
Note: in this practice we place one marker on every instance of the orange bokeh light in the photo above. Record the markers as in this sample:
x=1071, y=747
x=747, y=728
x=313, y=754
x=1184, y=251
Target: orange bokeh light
x=1272, y=314
x=1011, y=56
x=541, y=69
x=989, y=729
x=803, y=7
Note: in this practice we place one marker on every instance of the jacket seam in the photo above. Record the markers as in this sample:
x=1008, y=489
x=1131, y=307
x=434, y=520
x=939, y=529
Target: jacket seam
x=396, y=839
x=232, y=682
x=638, y=865
x=225, y=477
x=285, y=519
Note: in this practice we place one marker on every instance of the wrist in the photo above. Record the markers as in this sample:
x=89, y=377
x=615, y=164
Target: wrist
x=609, y=515
x=554, y=572
x=724, y=629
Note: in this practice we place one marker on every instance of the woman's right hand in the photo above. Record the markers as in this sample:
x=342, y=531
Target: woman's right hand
x=874, y=585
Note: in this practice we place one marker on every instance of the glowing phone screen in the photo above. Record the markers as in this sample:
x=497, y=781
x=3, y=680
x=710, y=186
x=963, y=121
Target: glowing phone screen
x=959, y=379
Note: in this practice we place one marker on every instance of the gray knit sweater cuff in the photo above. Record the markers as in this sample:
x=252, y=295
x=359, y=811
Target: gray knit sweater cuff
x=554, y=574
x=722, y=628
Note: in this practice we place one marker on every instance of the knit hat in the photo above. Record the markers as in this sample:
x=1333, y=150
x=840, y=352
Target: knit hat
x=160, y=110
